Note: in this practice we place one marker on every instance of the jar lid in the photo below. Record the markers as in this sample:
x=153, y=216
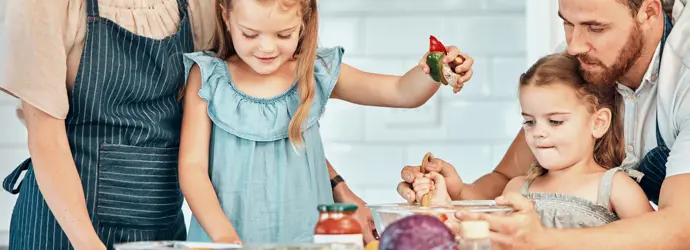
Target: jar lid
x=475, y=229
x=337, y=207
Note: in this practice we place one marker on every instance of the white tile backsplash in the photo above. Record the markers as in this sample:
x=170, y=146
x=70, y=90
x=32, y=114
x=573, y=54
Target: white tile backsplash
x=479, y=121
x=12, y=131
x=497, y=35
x=506, y=75
x=369, y=145
x=398, y=7
x=342, y=32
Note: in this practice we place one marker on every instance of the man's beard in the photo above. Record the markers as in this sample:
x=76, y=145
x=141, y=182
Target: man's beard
x=625, y=60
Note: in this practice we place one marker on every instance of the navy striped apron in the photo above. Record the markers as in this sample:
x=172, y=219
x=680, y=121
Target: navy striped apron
x=653, y=164
x=123, y=129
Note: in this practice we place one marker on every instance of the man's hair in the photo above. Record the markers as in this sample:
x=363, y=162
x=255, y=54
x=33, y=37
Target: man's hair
x=633, y=5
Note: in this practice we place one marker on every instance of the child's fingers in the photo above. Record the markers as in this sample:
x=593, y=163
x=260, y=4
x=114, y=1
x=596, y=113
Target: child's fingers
x=465, y=78
x=421, y=182
x=453, y=52
x=422, y=188
x=422, y=64
x=466, y=64
x=421, y=194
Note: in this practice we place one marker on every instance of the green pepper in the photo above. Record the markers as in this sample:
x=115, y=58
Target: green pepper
x=437, y=51
x=435, y=62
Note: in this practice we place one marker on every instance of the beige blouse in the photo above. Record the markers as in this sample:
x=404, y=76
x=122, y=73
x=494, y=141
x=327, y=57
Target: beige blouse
x=44, y=41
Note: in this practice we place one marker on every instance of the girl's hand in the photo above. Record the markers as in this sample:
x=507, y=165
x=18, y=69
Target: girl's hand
x=464, y=69
x=229, y=239
x=452, y=181
x=433, y=181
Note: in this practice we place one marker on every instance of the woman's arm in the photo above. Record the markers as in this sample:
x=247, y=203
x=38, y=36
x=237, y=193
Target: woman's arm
x=411, y=90
x=57, y=177
x=193, y=165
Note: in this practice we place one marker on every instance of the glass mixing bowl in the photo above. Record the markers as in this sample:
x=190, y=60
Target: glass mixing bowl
x=386, y=214
x=177, y=245
x=174, y=245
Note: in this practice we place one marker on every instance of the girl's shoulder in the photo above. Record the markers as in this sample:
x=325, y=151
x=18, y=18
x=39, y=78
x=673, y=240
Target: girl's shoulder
x=209, y=65
x=328, y=60
x=206, y=60
x=516, y=185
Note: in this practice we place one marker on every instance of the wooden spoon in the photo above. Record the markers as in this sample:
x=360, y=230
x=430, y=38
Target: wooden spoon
x=426, y=199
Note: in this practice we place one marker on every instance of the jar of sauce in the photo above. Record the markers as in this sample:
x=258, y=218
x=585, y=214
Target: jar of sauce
x=337, y=224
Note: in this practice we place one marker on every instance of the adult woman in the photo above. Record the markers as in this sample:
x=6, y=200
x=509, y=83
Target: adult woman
x=99, y=84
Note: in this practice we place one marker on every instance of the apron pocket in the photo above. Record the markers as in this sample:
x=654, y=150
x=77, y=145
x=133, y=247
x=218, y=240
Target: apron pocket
x=138, y=186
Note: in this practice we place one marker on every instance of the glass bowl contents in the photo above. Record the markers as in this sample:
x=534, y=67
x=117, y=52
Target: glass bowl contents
x=304, y=246
x=176, y=245
x=385, y=214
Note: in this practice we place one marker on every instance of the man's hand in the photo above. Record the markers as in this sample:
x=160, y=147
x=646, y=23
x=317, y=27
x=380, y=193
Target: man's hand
x=518, y=230
x=453, y=181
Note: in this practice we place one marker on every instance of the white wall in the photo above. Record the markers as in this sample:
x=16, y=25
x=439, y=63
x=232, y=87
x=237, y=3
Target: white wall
x=369, y=146
x=544, y=28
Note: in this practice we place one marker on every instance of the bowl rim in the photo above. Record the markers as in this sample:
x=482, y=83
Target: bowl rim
x=477, y=206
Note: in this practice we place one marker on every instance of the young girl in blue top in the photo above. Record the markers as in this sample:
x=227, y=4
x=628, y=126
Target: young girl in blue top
x=252, y=163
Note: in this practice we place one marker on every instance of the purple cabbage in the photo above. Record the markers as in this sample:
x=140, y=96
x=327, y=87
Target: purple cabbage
x=418, y=232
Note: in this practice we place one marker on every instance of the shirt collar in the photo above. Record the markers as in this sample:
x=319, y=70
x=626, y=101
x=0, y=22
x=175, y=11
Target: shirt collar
x=650, y=76
x=652, y=73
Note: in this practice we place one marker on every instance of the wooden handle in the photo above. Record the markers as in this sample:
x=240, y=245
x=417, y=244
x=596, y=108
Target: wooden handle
x=426, y=199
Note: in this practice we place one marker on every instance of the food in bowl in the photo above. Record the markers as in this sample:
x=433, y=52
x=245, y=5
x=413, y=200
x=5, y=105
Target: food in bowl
x=173, y=245
x=304, y=246
x=386, y=214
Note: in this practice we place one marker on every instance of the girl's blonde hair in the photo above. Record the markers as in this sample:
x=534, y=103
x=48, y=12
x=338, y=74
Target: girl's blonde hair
x=563, y=69
x=305, y=54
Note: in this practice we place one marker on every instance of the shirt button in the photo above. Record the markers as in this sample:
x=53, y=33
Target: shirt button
x=633, y=97
x=630, y=148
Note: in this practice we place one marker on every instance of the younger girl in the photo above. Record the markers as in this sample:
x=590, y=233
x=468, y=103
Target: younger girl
x=573, y=130
x=252, y=163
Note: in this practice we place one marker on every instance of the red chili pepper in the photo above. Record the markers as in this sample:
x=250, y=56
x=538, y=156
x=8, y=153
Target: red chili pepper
x=436, y=46
x=443, y=217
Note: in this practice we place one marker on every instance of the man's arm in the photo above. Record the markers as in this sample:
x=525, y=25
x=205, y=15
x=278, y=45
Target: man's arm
x=515, y=162
x=664, y=229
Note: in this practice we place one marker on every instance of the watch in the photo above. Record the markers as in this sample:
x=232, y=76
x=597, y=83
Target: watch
x=336, y=180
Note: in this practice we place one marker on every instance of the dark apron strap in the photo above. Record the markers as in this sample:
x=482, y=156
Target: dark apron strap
x=11, y=180
x=668, y=25
x=653, y=164
x=92, y=8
